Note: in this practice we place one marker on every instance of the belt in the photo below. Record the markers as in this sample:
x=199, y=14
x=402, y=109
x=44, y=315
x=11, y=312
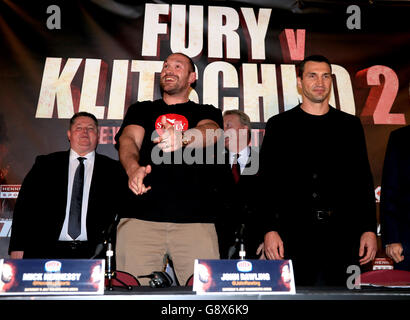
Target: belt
x=322, y=215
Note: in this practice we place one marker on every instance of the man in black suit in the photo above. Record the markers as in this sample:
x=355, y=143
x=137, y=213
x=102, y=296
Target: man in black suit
x=81, y=179
x=239, y=224
x=395, y=199
x=318, y=188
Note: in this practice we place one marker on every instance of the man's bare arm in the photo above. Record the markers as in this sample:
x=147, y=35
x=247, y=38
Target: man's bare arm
x=206, y=133
x=129, y=154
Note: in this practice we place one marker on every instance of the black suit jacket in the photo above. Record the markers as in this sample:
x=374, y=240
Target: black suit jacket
x=41, y=205
x=395, y=192
x=243, y=200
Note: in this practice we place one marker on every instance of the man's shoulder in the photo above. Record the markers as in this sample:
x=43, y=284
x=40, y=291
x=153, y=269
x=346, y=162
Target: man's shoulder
x=402, y=131
x=284, y=116
x=401, y=134
x=45, y=162
x=206, y=111
x=204, y=106
x=54, y=156
x=343, y=115
x=145, y=104
x=105, y=159
x=109, y=168
x=159, y=103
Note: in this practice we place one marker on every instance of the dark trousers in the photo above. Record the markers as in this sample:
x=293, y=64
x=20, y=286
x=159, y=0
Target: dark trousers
x=63, y=250
x=321, y=254
x=229, y=240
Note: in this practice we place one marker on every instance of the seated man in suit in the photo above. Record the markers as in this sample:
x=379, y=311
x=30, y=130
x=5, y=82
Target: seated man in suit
x=395, y=199
x=244, y=162
x=68, y=199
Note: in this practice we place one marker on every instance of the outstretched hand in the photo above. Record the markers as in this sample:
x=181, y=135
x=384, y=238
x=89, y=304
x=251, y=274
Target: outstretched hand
x=169, y=139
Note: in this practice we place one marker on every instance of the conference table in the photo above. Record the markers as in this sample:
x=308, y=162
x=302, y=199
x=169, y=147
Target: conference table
x=183, y=303
x=186, y=293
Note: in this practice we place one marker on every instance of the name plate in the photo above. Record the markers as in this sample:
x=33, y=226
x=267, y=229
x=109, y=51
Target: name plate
x=9, y=191
x=47, y=277
x=244, y=276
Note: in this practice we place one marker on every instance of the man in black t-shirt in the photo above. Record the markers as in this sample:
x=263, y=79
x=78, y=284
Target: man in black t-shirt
x=320, y=207
x=162, y=146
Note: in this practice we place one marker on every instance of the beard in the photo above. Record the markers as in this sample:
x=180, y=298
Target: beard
x=171, y=88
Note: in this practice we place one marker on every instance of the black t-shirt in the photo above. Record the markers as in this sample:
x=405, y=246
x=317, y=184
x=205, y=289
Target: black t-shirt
x=181, y=192
x=318, y=165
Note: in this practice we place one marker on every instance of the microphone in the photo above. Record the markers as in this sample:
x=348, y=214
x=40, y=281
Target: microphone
x=159, y=279
x=231, y=251
x=241, y=231
x=98, y=250
x=112, y=227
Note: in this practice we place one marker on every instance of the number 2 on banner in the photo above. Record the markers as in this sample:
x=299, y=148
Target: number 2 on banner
x=381, y=96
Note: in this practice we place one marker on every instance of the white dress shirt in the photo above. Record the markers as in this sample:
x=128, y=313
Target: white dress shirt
x=242, y=158
x=88, y=172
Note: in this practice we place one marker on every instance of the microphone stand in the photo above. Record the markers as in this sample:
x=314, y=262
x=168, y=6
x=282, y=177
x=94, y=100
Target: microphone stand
x=110, y=274
x=242, y=252
x=108, y=257
x=239, y=239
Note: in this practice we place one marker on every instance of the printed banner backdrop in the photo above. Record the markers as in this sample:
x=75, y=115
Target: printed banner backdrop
x=59, y=57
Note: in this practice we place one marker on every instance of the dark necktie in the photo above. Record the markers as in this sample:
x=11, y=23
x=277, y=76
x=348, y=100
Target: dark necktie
x=74, y=221
x=236, y=169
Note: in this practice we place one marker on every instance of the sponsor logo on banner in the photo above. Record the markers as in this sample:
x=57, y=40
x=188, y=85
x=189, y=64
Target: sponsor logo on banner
x=53, y=266
x=9, y=191
x=244, y=266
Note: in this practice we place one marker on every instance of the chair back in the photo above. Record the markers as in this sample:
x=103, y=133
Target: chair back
x=122, y=279
x=386, y=278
